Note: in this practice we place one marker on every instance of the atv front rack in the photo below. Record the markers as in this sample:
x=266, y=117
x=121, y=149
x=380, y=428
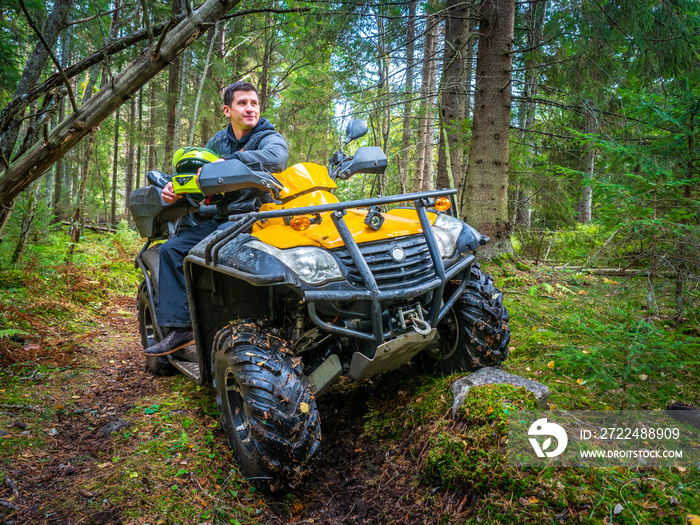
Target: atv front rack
x=371, y=293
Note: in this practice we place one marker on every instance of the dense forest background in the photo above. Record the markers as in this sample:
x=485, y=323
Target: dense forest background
x=579, y=119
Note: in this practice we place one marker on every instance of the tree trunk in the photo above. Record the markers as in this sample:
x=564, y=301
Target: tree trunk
x=454, y=93
x=264, y=85
x=131, y=153
x=178, y=111
x=535, y=24
x=485, y=198
x=193, y=125
x=139, y=141
x=424, y=142
x=115, y=163
x=405, y=172
x=588, y=168
x=27, y=222
x=171, y=99
x=152, y=160
x=32, y=71
x=59, y=168
x=78, y=215
x=37, y=159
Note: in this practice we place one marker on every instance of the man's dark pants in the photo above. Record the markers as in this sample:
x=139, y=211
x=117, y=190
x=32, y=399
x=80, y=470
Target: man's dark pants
x=173, y=310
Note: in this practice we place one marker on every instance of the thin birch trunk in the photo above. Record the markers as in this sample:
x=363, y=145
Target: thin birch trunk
x=193, y=124
x=131, y=153
x=27, y=221
x=405, y=172
x=78, y=222
x=178, y=111
x=115, y=163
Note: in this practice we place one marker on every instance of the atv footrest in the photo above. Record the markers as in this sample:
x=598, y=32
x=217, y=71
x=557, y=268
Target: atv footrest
x=186, y=367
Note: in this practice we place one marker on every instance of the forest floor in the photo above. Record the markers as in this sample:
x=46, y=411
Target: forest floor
x=87, y=435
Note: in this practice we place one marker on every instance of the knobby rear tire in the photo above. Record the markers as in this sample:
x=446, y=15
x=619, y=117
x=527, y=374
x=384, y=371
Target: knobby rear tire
x=267, y=405
x=157, y=365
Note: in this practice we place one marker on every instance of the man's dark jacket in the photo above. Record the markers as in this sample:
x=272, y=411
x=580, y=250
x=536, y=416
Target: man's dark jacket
x=262, y=145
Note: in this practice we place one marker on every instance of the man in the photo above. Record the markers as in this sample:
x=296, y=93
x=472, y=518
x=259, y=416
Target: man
x=250, y=139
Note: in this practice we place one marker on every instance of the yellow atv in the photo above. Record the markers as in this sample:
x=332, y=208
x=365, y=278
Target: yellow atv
x=289, y=298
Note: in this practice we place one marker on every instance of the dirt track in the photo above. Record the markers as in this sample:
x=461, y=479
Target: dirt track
x=356, y=479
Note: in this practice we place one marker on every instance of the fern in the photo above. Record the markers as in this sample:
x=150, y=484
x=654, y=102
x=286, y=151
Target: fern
x=11, y=332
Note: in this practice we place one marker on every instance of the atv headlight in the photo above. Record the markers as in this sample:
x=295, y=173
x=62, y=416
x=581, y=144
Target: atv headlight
x=447, y=229
x=312, y=265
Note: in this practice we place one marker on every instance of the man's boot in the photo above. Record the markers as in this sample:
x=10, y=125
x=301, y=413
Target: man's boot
x=173, y=342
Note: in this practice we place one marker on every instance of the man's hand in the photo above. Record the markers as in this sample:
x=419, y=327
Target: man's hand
x=169, y=195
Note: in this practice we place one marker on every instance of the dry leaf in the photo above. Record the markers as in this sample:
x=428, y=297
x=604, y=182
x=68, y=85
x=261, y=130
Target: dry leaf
x=693, y=519
x=643, y=377
x=86, y=493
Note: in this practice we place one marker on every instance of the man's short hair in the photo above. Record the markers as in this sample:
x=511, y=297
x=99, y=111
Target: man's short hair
x=237, y=86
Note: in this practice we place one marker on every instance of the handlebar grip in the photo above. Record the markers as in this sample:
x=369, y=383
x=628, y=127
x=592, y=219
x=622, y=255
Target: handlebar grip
x=208, y=209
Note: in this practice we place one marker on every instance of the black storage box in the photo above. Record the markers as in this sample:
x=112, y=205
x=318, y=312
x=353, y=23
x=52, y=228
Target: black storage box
x=152, y=215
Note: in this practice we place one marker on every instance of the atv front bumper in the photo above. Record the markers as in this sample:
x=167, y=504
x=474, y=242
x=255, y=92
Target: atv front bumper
x=369, y=291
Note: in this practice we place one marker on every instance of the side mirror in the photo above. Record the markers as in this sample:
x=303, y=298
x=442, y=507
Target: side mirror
x=356, y=129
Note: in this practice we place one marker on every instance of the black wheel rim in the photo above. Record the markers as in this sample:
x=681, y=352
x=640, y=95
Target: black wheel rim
x=148, y=330
x=238, y=408
x=449, y=337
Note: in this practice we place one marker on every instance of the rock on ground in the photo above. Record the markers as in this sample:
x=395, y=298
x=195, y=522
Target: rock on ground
x=490, y=376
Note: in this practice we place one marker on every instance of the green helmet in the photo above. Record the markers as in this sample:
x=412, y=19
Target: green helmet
x=188, y=160
x=186, y=163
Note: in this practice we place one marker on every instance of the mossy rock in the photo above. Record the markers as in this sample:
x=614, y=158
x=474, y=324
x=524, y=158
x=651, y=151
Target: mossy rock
x=491, y=404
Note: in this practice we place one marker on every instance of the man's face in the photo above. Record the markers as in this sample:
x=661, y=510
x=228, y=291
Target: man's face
x=244, y=112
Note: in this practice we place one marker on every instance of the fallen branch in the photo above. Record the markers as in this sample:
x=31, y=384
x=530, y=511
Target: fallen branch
x=615, y=272
x=93, y=227
x=12, y=486
x=21, y=407
x=7, y=504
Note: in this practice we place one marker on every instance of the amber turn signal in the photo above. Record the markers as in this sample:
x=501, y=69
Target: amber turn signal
x=300, y=223
x=442, y=204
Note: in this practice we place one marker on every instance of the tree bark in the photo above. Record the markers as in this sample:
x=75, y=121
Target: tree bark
x=174, y=74
x=20, y=102
x=59, y=170
x=588, y=169
x=139, y=141
x=424, y=142
x=131, y=153
x=78, y=215
x=454, y=92
x=32, y=71
x=270, y=36
x=523, y=194
x=152, y=158
x=27, y=222
x=181, y=98
x=405, y=173
x=71, y=131
x=485, y=198
x=210, y=46
x=115, y=163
